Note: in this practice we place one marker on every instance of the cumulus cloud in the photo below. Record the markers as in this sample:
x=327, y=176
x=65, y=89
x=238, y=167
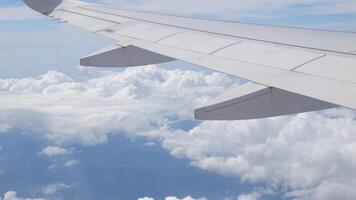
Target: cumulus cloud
x=133, y=101
x=184, y=198
x=308, y=155
x=11, y=195
x=174, y=198
x=145, y=198
x=71, y=163
x=3, y=128
x=52, y=151
x=251, y=196
x=54, y=188
x=305, y=156
x=255, y=195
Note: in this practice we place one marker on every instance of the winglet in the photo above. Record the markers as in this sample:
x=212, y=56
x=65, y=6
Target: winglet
x=43, y=6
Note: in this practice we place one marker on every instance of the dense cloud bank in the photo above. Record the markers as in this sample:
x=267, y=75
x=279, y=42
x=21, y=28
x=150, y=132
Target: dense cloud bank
x=304, y=156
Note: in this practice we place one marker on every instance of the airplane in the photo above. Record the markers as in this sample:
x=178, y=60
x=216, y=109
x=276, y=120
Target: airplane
x=291, y=70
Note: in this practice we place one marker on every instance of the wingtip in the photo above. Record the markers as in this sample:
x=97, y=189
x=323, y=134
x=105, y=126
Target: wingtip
x=43, y=6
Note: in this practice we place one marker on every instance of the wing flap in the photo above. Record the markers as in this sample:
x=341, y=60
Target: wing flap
x=253, y=101
x=123, y=56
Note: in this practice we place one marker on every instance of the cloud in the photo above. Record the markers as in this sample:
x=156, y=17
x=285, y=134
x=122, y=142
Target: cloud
x=11, y=195
x=255, y=195
x=54, y=188
x=251, y=196
x=3, y=128
x=86, y=112
x=145, y=198
x=71, y=163
x=184, y=198
x=305, y=156
x=52, y=151
x=307, y=153
x=174, y=198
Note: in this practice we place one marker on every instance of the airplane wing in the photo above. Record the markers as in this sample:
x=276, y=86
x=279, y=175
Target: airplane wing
x=292, y=70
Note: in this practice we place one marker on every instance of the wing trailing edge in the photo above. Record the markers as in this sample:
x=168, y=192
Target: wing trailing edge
x=252, y=101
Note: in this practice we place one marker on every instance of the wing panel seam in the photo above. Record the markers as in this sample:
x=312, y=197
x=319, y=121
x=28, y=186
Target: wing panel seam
x=215, y=51
x=168, y=36
x=317, y=58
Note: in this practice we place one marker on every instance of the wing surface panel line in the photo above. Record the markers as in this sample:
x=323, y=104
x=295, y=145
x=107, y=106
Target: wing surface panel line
x=238, y=42
x=295, y=68
x=168, y=36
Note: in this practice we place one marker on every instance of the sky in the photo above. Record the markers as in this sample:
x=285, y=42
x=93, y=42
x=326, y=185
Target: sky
x=72, y=132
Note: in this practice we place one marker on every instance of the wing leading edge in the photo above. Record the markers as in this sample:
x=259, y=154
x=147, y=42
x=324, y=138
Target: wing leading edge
x=292, y=70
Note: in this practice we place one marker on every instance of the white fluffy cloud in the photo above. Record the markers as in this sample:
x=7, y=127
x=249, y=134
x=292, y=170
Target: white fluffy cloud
x=309, y=155
x=51, y=151
x=49, y=191
x=251, y=196
x=71, y=163
x=133, y=101
x=184, y=198
x=304, y=156
x=11, y=195
x=174, y=198
x=54, y=188
x=145, y=198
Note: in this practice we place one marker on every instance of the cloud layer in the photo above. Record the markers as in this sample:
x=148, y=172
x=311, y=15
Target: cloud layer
x=304, y=156
x=133, y=101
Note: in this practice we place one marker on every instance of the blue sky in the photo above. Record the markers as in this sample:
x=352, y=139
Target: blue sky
x=68, y=132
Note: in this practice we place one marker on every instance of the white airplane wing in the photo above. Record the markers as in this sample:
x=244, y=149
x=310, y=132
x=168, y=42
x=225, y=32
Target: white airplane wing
x=291, y=70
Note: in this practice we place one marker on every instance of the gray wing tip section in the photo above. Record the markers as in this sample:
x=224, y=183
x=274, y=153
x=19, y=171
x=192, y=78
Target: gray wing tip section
x=253, y=101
